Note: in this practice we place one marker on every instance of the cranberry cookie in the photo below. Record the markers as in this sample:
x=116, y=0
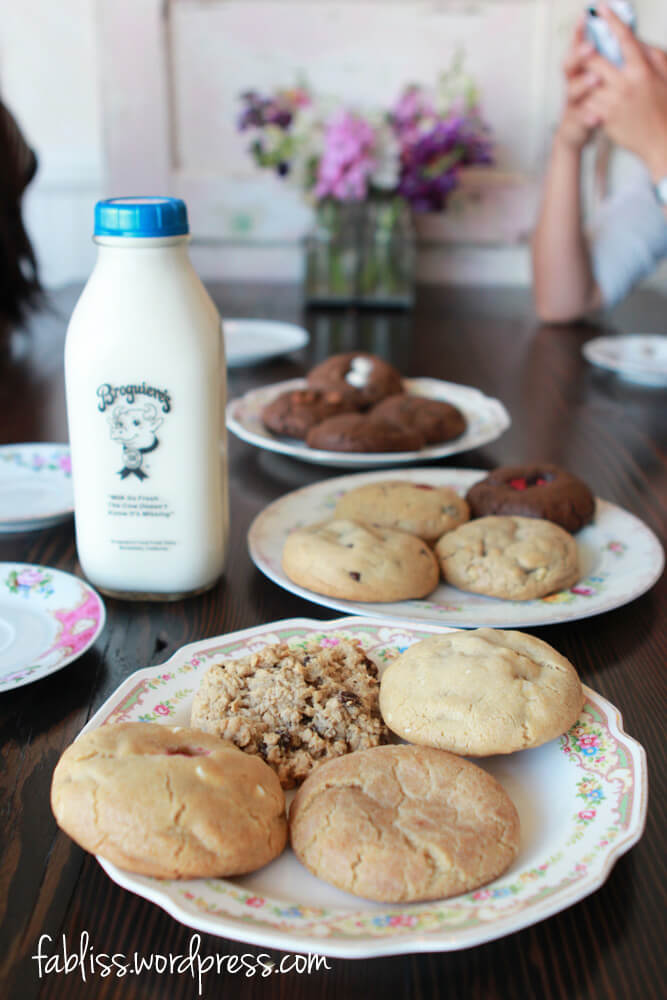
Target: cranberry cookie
x=169, y=801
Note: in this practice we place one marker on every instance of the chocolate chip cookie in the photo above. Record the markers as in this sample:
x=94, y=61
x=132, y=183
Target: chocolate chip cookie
x=293, y=705
x=360, y=562
x=418, y=508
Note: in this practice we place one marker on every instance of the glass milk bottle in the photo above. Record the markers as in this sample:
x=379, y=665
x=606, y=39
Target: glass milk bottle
x=145, y=387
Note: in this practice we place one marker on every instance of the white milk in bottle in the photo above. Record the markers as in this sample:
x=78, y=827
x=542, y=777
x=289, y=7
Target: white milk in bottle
x=145, y=386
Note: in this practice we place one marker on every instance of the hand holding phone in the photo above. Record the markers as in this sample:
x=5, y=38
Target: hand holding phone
x=601, y=35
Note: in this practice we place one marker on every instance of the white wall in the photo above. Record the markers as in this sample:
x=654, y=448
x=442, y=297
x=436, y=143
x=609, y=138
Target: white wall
x=62, y=73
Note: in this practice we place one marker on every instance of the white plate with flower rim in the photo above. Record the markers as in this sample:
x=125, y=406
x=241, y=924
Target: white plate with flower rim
x=638, y=357
x=35, y=486
x=620, y=559
x=486, y=419
x=47, y=619
x=581, y=800
x=254, y=341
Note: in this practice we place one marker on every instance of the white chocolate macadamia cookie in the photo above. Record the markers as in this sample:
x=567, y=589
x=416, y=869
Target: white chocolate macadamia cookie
x=483, y=692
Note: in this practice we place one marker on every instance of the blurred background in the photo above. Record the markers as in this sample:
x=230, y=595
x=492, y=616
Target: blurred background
x=142, y=96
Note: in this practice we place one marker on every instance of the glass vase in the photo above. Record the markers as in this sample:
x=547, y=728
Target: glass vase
x=361, y=253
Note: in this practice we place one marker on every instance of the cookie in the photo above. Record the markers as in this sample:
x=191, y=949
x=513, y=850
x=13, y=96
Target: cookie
x=516, y=558
x=169, y=801
x=359, y=562
x=435, y=420
x=418, y=508
x=480, y=693
x=358, y=432
x=368, y=376
x=294, y=706
x=293, y=413
x=544, y=491
x=399, y=824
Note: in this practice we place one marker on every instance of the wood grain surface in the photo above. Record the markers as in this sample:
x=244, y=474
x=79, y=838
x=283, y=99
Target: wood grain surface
x=610, y=432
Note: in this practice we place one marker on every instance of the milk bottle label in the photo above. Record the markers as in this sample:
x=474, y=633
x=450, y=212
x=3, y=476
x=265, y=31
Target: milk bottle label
x=136, y=415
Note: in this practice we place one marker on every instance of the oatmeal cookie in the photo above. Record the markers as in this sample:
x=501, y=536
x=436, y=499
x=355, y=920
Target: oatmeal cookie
x=293, y=706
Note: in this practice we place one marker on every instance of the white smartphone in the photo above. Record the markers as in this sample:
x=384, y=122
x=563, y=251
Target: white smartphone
x=600, y=34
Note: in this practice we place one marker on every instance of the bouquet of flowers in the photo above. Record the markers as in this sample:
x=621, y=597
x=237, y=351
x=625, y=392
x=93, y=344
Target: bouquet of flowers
x=415, y=149
x=365, y=172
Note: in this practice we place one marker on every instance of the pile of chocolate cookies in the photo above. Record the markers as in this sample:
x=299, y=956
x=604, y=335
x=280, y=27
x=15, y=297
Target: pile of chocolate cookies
x=511, y=538
x=356, y=402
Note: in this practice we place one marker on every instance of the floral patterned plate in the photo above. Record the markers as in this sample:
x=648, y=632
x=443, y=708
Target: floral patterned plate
x=581, y=800
x=35, y=486
x=487, y=419
x=47, y=619
x=620, y=558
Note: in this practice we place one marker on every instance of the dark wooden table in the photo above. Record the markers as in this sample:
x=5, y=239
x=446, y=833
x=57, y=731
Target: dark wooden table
x=609, y=432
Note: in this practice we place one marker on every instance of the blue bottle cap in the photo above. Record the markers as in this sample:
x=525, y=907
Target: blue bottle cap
x=141, y=217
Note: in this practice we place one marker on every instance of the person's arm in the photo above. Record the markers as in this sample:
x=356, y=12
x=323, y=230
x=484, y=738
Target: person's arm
x=563, y=282
x=631, y=101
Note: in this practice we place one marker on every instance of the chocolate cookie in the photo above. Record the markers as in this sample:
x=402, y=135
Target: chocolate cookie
x=294, y=706
x=359, y=432
x=293, y=413
x=370, y=377
x=436, y=420
x=545, y=491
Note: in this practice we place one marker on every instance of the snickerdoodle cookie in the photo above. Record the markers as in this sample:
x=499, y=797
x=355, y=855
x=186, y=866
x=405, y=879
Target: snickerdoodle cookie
x=169, y=801
x=480, y=693
x=293, y=705
x=516, y=558
x=403, y=823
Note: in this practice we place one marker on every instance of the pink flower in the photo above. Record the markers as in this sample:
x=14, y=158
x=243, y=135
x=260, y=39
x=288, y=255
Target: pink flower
x=329, y=642
x=347, y=162
x=481, y=894
x=587, y=814
x=254, y=901
x=162, y=710
x=29, y=577
x=65, y=463
x=582, y=591
x=589, y=741
x=402, y=921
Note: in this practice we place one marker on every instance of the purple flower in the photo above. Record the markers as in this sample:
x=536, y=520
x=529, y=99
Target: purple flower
x=347, y=161
x=431, y=164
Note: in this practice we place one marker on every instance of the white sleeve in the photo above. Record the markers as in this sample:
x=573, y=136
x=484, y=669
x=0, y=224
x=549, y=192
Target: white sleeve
x=628, y=240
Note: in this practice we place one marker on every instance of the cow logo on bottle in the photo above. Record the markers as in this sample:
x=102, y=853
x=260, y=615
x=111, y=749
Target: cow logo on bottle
x=134, y=428
x=133, y=422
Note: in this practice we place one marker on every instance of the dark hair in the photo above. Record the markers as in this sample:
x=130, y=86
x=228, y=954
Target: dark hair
x=19, y=277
